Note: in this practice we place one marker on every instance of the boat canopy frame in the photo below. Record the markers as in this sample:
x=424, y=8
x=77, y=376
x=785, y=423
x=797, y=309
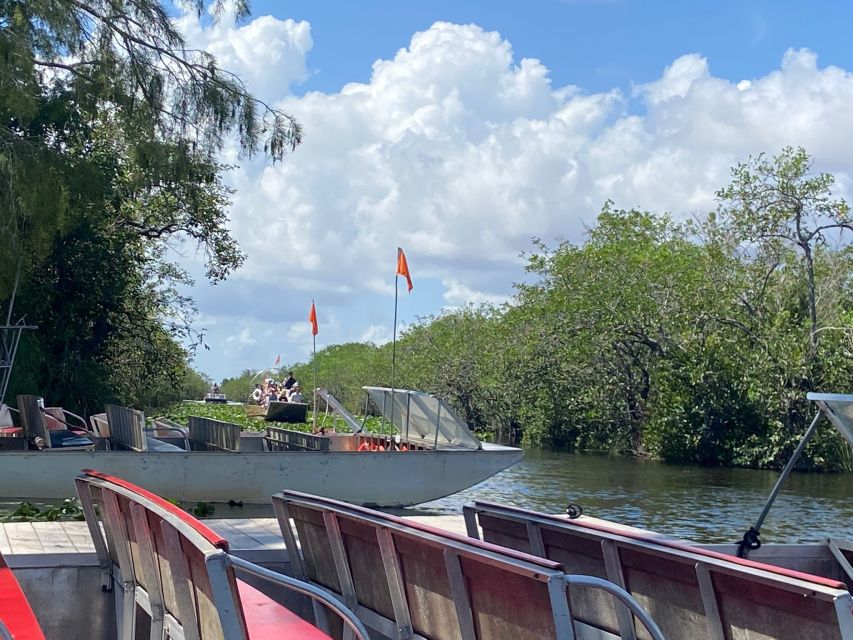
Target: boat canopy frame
x=423, y=417
x=838, y=409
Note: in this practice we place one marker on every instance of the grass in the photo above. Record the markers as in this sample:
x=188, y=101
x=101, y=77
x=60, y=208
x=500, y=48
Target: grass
x=236, y=414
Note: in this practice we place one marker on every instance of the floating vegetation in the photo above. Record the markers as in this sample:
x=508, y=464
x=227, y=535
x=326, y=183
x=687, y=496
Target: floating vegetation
x=68, y=509
x=203, y=510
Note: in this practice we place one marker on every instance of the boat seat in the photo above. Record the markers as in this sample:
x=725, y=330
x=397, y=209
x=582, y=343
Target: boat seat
x=266, y=618
x=693, y=592
x=16, y=615
x=165, y=562
x=34, y=421
x=153, y=444
x=406, y=578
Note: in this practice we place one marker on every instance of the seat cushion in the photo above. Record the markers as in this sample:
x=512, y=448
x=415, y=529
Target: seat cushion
x=61, y=438
x=15, y=611
x=266, y=618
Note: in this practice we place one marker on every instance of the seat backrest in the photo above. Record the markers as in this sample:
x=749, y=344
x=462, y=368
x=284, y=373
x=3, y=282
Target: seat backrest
x=32, y=418
x=127, y=427
x=100, y=425
x=214, y=435
x=278, y=439
x=412, y=578
x=691, y=592
x=171, y=556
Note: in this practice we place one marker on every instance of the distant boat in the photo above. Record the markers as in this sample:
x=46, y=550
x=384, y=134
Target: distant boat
x=215, y=398
x=432, y=455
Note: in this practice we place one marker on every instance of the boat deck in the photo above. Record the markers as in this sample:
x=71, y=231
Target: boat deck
x=252, y=534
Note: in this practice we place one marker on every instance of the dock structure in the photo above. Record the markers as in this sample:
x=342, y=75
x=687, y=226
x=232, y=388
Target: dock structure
x=23, y=542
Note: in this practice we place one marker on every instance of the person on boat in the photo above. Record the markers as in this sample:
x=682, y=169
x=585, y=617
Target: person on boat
x=289, y=381
x=296, y=394
x=256, y=396
x=272, y=395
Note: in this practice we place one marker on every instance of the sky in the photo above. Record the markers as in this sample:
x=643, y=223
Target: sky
x=461, y=129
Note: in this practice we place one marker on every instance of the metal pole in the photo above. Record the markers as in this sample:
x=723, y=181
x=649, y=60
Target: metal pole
x=14, y=293
x=437, y=422
x=394, y=346
x=314, y=340
x=743, y=548
x=408, y=413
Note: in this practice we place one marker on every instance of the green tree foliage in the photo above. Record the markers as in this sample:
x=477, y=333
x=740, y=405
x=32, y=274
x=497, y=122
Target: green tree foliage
x=692, y=342
x=109, y=130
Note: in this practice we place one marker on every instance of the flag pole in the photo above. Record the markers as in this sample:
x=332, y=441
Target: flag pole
x=394, y=343
x=314, y=362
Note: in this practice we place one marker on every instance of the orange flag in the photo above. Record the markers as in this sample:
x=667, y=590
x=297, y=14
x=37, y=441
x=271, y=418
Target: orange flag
x=403, y=267
x=312, y=318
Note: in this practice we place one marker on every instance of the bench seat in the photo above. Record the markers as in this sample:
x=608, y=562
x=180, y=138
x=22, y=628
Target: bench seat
x=15, y=612
x=163, y=560
x=266, y=618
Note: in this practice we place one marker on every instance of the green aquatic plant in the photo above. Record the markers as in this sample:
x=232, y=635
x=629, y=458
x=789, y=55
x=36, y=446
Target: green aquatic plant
x=68, y=509
x=203, y=510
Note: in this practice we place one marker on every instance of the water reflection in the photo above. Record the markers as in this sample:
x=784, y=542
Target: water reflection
x=700, y=503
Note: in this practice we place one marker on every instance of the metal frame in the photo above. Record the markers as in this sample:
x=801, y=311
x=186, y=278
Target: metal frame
x=751, y=537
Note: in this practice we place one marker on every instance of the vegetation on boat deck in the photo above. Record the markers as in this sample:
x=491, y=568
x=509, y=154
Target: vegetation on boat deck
x=236, y=414
x=692, y=342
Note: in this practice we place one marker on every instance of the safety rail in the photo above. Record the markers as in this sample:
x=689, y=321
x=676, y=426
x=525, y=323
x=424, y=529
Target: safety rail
x=217, y=435
x=305, y=588
x=278, y=439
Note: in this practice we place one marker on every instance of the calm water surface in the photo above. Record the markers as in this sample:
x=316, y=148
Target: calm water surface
x=699, y=503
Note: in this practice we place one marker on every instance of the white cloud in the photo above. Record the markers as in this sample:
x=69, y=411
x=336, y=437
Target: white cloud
x=267, y=54
x=458, y=295
x=242, y=339
x=460, y=152
x=378, y=334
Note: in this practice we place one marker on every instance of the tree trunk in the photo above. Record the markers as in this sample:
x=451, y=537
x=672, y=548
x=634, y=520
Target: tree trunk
x=813, y=339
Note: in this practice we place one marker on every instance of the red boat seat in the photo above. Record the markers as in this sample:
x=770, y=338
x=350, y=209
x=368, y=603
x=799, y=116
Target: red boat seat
x=266, y=618
x=168, y=560
x=15, y=612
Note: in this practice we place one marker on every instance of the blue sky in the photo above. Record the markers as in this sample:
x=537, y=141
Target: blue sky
x=459, y=130
x=597, y=44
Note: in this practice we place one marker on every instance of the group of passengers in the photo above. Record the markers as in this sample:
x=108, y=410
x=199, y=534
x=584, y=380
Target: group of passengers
x=271, y=391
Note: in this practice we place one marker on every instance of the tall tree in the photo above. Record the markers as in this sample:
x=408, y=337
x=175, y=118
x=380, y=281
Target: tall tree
x=110, y=126
x=782, y=201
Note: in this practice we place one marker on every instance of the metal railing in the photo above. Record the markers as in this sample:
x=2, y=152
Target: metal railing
x=306, y=589
x=592, y=582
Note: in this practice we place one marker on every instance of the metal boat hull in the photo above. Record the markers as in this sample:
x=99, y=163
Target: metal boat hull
x=386, y=479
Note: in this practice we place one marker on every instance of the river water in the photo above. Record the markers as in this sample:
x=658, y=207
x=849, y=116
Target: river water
x=704, y=504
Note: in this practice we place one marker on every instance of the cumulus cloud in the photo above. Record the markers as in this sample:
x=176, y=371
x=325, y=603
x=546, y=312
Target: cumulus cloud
x=460, y=150
x=267, y=54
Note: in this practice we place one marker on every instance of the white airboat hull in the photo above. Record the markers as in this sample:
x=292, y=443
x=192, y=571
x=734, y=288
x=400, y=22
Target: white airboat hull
x=386, y=479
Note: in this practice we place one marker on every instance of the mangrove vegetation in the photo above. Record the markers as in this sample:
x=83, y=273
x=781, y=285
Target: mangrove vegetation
x=689, y=341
